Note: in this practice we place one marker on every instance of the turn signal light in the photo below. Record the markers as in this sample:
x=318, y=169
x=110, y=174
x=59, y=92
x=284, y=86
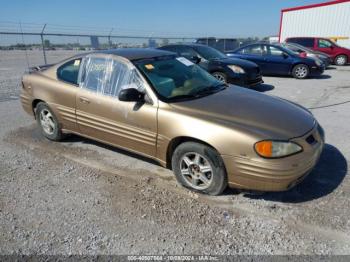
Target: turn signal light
x=276, y=149
x=264, y=148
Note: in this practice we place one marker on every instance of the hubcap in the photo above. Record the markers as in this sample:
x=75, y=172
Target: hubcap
x=220, y=77
x=301, y=71
x=341, y=60
x=47, y=122
x=196, y=171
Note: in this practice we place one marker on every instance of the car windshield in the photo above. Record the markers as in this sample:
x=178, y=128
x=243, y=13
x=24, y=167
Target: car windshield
x=209, y=52
x=297, y=47
x=177, y=79
x=287, y=50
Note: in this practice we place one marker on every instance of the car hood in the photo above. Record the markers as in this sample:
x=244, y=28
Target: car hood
x=236, y=61
x=273, y=117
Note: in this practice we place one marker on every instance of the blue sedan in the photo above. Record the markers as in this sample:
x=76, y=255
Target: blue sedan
x=274, y=59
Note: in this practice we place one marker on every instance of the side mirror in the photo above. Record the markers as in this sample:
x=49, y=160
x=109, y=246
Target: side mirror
x=131, y=95
x=195, y=59
x=285, y=55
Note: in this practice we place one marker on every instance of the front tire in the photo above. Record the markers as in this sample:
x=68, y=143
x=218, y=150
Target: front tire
x=48, y=122
x=199, y=168
x=220, y=76
x=341, y=60
x=300, y=71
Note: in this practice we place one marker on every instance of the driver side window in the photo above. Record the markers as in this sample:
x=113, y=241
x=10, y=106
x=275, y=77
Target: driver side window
x=108, y=76
x=323, y=43
x=275, y=51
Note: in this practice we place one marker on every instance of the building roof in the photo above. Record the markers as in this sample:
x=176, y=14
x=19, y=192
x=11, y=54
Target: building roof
x=136, y=53
x=315, y=5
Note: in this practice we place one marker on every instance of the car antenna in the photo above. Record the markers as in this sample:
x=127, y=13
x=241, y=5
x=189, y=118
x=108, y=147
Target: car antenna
x=25, y=48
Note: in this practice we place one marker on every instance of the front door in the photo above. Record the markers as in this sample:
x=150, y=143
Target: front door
x=100, y=114
x=278, y=62
x=325, y=46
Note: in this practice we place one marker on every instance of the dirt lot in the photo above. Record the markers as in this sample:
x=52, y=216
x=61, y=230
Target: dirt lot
x=82, y=197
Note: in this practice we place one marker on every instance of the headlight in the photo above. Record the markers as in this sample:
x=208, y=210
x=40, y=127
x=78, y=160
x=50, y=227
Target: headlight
x=276, y=149
x=318, y=62
x=236, y=69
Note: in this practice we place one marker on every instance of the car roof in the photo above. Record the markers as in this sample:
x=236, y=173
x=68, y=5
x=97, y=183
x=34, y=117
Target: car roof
x=186, y=44
x=135, y=53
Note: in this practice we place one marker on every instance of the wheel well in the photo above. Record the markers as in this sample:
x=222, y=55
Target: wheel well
x=219, y=70
x=174, y=143
x=343, y=55
x=35, y=103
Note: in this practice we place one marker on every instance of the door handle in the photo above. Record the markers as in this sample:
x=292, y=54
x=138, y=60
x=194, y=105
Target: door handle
x=84, y=100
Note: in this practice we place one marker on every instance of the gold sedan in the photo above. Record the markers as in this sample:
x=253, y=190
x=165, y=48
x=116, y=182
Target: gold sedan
x=166, y=108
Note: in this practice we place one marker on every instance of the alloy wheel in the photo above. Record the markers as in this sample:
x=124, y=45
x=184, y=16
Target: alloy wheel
x=301, y=72
x=341, y=60
x=47, y=121
x=220, y=77
x=196, y=170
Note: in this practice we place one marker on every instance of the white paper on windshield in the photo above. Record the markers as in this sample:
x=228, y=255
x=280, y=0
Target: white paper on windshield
x=185, y=61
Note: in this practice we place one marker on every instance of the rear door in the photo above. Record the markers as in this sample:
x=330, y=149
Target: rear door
x=254, y=53
x=100, y=114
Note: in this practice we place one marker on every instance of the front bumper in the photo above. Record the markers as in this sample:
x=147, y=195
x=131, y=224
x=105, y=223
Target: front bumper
x=276, y=174
x=247, y=80
x=317, y=70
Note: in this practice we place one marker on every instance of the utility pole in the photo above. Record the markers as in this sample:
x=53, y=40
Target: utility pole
x=109, y=38
x=42, y=43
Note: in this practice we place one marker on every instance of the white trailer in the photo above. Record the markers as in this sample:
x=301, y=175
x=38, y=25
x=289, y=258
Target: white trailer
x=329, y=20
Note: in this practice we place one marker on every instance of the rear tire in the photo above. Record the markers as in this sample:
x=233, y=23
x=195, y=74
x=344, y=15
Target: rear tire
x=300, y=71
x=199, y=168
x=220, y=76
x=341, y=60
x=48, y=123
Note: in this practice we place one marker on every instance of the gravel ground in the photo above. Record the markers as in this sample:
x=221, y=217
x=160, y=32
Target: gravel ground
x=82, y=197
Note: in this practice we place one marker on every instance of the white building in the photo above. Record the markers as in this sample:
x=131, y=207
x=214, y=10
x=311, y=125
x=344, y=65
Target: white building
x=330, y=20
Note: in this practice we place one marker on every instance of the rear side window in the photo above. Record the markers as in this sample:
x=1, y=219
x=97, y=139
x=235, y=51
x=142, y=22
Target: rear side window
x=307, y=42
x=69, y=71
x=252, y=50
x=108, y=76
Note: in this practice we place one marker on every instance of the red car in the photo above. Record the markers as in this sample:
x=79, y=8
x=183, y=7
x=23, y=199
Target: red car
x=340, y=55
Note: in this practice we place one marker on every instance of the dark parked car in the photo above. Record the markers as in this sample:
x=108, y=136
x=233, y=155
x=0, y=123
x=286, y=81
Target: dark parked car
x=277, y=60
x=230, y=70
x=302, y=50
x=221, y=44
x=340, y=55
